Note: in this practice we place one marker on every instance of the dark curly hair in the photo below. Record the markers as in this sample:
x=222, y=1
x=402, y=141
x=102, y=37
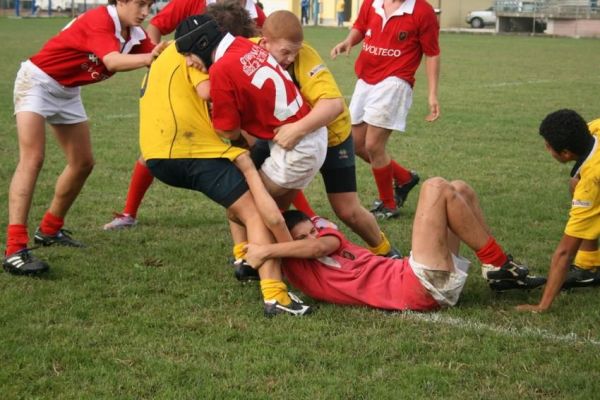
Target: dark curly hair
x=293, y=218
x=232, y=18
x=566, y=130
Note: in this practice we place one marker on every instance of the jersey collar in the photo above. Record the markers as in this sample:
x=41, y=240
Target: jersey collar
x=136, y=33
x=584, y=158
x=223, y=45
x=249, y=6
x=406, y=8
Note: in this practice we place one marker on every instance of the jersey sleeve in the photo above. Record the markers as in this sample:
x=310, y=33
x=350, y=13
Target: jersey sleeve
x=363, y=14
x=429, y=29
x=100, y=37
x=225, y=110
x=260, y=16
x=584, y=217
x=594, y=126
x=145, y=46
x=314, y=79
x=176, y=11
x=333, y=232
x=196, y=76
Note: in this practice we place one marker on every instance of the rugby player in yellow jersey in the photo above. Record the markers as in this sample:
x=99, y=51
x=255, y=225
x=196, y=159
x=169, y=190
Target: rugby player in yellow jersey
x=182, y=149
x=320, y=90
x=576, y=260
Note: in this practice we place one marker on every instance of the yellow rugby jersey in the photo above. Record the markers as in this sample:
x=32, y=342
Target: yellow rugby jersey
x=315, y=82
x=584, y=217
x=174, y=121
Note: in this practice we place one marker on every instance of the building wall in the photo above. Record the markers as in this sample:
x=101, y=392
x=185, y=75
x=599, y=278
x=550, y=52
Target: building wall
x=452, y=14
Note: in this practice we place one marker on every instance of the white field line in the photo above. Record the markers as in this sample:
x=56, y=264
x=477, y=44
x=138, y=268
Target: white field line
x=120, y=116
x=516, y=83
x=513, y=332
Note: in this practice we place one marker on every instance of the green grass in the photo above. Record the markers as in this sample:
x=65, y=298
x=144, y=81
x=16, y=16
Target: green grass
x=154, y=312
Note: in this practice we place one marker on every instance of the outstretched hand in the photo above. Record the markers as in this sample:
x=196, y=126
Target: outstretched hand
x=534, y=308
x=159, y=48
x=342, y=47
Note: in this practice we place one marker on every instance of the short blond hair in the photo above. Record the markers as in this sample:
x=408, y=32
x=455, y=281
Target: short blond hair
x=283, y=24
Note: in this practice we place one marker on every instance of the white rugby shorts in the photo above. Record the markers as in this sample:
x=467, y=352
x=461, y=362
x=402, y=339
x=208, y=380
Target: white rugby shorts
x=296, y=168
x=445, y=287
x=384, y=104
x=37, y=92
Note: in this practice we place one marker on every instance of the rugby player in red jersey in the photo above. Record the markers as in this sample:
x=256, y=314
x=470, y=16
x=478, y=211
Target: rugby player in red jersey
x=395, y=35
x=88, y=50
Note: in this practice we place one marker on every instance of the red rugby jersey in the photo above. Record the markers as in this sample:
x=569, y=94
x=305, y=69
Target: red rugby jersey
x=394, y=47
x=177, y=10
x=250, y=90
x=352, y=275
x=74, y=56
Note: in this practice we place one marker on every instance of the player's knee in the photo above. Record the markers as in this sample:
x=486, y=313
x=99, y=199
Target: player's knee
x=32, y=163
x=463, y=189
x=84, y=166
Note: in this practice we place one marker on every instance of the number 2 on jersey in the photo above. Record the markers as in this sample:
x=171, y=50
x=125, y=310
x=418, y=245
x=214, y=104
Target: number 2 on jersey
x=282, y=110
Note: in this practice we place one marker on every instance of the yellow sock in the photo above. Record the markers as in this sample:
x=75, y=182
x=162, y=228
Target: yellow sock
x=238, y=250
x=382, y=248
x=587, y=259
x=273, y=289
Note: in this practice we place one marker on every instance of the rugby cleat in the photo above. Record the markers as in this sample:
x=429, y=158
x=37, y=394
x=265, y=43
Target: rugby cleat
x=62, y=238
x=401, y=191
x=579, y=277
x=511, y=275
x=120, y=221
x=244, y=272
x=394, y=253
x=296, y=307
x=381, y=212
x=24, y=263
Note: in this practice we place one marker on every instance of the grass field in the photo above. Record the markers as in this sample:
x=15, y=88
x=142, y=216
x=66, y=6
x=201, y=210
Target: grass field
x=154, y=312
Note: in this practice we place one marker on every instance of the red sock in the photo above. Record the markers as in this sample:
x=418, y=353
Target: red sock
x=301, y=204
x=384, y=178
x=141, y=179
x=51, y=224
x=16, y=238
x=491, y=253
x=401, y=174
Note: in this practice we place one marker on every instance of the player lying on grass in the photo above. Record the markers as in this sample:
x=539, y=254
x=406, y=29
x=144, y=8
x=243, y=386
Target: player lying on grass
x=88, y=50
x=326, y=266
x=576, y=260
x=282, y=37
x=183, y=150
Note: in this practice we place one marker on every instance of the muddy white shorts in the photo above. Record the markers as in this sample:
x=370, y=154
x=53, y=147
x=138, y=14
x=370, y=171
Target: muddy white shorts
x=37, y=92
x=445, y=287
x=296, y=168
x=384, y=104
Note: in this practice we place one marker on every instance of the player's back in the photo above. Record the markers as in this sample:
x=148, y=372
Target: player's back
x=251, y=91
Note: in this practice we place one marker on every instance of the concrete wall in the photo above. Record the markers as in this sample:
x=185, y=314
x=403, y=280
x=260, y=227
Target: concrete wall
x=574, y=27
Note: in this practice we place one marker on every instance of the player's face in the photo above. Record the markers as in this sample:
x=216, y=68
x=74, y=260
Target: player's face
x=304, y=230
x=562, y=156
x=133, y=12
x=283, y=50
x=194, y=61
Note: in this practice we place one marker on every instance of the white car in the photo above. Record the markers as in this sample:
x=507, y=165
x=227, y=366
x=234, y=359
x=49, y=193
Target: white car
x=479, y=19
x=57, y=5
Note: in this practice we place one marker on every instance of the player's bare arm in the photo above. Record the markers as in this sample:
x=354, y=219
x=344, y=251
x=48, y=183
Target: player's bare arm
x=322, y=114
x=304, y=248
x=115, y=61
x=432, y=65
x=153, y=33
x=344, y=47
x=561, y=259
x=266, y=206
